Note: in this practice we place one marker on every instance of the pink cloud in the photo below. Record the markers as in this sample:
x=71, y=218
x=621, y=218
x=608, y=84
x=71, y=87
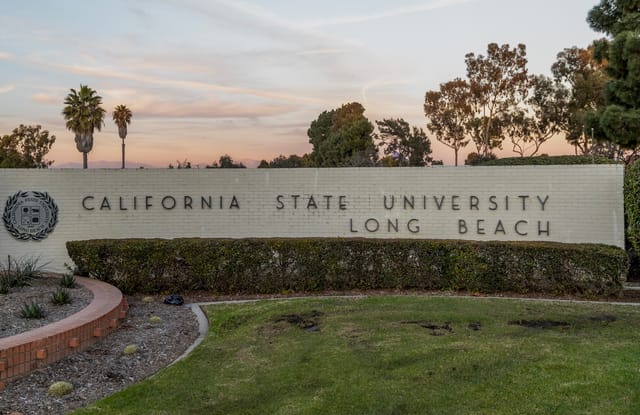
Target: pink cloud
x=7, y=88
x=44, y=98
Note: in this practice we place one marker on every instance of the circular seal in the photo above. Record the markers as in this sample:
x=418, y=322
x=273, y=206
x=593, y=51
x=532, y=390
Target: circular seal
x=30, y=215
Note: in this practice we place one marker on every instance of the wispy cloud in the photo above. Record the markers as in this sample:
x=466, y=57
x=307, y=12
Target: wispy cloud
x=383, y=14
x=4, y=55
x=44, y=98
x=204, y=109
x=7, y=88
x=251, y=17
x=176, y=83
x=380, y=83
x=154, y=104
x=326, y=51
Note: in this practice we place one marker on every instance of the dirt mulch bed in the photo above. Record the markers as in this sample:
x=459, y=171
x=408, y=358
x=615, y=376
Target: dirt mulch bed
x=103, y=369
x=40, y=290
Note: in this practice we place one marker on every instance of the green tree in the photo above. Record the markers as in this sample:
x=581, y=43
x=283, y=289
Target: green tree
x=619, y=119
x=282, y=161
x=342, y=137
x=84, y=114
x=122, y=117
x=583, y=80
x=26, y=147
x=226, y=162
x=410, y=146
x=533, y=123
x=497, y=83
x=448, y=112
x=185, y=164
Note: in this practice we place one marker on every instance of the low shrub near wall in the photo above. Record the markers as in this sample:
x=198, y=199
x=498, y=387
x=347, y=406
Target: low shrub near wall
x=263, y=266
x=547, y=160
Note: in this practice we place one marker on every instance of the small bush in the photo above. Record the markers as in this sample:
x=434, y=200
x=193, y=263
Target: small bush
x=155, y=320
x=61, y=297
x=32, y=310
x=68, y=281
x=271, y=266
x=20, y=272
x=130, y=349
x=5, y=283
x=475, y=159
x=147, y=299
x=60, y=389
x=546, y=161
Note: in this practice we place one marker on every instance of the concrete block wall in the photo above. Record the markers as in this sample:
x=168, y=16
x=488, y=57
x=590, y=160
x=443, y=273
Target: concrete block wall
x=572, y=204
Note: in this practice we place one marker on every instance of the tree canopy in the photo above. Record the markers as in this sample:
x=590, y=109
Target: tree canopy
x=342, y=137
x=84, y=114
x=448, y=112
x=619, y=119
x=122, y=117
x=496, y=82
x=537, y=118
x=409, y=146
x=26, y=147
x=582, y=81
x=226, y=162
x=615, y=16
x=284, y=162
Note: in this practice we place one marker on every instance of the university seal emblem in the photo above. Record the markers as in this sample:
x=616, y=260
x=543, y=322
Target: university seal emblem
x=30, y=215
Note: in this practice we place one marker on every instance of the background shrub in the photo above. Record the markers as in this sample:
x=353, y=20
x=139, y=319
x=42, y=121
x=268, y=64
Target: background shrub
x=546, y=160
x=632, y=204
x=272, y=266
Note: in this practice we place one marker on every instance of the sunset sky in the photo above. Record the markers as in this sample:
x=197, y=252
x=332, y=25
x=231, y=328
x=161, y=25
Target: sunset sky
x=246, y=77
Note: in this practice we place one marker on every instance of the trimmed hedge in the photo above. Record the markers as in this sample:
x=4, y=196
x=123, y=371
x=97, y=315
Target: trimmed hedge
x=547, y=160
x=632, y=204
x=271, y=266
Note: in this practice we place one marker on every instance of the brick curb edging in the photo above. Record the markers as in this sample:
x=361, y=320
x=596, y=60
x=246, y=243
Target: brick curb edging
x=29, y=351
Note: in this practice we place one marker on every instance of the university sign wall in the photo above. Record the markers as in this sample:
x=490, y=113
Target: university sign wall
x=574, y=204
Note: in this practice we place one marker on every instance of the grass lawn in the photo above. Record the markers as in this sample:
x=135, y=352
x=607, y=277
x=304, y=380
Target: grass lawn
x=402, y=355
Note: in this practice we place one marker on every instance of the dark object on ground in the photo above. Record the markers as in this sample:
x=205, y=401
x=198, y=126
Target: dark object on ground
x=475, y=326
x=174, y=299
x=436, y=329
x=307, y=322
x=539, y=324
x=604, y=318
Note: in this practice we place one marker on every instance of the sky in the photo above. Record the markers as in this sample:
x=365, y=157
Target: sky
x=205, y=78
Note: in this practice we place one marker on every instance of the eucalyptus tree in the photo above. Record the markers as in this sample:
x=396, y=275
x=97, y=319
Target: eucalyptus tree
x=84, y=114
x=497, y=82
x=122, y=117
x=448, y=111
x=584, y=80
x=538, y=118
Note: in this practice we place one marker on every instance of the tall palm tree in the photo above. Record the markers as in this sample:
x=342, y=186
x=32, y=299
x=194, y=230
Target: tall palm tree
x=83, y=114
x=122, y=117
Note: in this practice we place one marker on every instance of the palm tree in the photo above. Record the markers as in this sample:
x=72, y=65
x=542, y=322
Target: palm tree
x=122, y=117
x=83, y=114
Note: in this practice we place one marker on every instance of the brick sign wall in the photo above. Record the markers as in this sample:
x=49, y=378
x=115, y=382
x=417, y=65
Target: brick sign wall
x=572, y=204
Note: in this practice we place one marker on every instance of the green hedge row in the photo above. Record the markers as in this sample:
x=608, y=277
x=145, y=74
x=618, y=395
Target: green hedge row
x=632, y=204
x=271, y=266
x=547, y=160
